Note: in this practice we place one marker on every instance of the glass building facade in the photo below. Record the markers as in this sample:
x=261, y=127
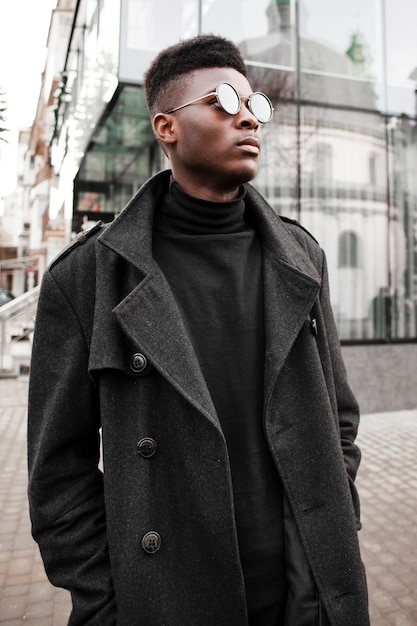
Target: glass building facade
x=340, y=155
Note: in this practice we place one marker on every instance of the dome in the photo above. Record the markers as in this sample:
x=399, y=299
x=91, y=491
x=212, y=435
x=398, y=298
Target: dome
x=326, y=75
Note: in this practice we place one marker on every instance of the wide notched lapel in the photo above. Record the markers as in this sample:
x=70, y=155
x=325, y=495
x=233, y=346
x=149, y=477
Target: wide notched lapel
x=151, y=318
x=291, y=285
x=289, y=297
x=148, y=314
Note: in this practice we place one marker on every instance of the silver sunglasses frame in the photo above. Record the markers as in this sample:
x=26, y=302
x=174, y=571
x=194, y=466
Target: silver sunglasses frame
x=216, y=93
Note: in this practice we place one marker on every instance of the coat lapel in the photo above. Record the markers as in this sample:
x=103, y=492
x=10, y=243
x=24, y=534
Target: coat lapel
x=291, y=285
x=149, y=315
x=288, y=299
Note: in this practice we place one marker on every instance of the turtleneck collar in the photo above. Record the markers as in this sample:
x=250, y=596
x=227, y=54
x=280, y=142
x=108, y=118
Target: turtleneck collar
x=184, y=214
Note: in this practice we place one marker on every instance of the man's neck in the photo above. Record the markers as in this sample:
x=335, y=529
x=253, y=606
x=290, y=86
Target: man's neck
x=186, y=214
x=203, y=190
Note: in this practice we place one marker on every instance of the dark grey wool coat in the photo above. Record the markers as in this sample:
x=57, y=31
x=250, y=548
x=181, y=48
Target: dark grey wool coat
x=111, y=351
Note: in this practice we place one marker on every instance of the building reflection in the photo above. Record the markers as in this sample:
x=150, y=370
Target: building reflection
x=334, y=161
x=339, y=156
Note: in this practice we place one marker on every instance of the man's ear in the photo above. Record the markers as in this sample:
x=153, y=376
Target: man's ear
x=164, y=128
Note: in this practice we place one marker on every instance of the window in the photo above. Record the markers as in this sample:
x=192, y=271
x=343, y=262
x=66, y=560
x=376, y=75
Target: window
x=348, y=250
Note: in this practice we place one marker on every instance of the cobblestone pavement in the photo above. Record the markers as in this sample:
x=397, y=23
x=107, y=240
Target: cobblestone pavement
x=387, y=483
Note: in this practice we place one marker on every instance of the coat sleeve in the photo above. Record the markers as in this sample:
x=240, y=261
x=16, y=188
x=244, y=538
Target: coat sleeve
x=65, y=483
x=346, y=407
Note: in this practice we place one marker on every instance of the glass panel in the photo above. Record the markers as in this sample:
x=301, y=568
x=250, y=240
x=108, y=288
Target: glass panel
x=124, y=134
x=89, y=80
x=403, y=227
x=340, y=52
x=264, y=31
x=148, y=26
x=400, y=20
x=121, y=157
x=277, y=173
x=244, y=20
x=344, y=205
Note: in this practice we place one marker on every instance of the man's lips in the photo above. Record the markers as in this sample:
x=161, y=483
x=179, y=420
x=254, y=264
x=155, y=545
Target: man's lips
x=250, y=144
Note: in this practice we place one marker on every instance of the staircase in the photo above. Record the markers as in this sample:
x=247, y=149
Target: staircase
x=17, y=319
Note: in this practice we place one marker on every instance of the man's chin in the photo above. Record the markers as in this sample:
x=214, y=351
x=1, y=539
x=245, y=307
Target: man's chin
x=244, y=174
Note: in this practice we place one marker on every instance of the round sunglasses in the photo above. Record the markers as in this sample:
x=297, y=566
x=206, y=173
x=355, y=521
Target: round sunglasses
x=229, y=100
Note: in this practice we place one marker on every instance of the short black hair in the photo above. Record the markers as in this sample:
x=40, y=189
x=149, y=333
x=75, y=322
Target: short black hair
x=164, y=78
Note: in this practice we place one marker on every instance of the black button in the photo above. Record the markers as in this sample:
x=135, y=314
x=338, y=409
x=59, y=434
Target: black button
x=147, y=447
x=138, y=363
x=151, y=542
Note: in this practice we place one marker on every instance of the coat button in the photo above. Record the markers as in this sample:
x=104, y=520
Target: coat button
x=138, y=363
x=147, y=447
x=151, y=542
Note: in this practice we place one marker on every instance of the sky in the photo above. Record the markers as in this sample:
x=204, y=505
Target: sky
x=24, y=26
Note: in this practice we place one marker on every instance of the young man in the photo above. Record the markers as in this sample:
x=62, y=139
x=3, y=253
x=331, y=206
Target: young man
x=196, y=331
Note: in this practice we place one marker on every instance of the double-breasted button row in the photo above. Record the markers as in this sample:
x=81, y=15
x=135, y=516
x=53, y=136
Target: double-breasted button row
x=139, y=363
x=146, y=447
x=151, y=542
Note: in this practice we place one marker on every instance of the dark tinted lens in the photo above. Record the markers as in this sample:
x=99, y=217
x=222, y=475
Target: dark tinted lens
x=261, y=107
x=228, y=98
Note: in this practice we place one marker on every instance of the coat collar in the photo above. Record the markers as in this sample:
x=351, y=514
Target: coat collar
x=150, y=317
x=291, y=285
x=130, y=235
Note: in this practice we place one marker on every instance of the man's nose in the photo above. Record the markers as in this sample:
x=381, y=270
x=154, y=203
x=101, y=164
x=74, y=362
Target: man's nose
x=246, y=118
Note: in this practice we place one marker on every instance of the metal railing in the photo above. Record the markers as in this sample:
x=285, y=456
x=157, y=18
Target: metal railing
x=17, y=319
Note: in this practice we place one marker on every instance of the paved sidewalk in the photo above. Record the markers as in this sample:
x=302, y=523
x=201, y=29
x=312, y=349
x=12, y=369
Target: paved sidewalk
x=387, y=482
x=26, y=596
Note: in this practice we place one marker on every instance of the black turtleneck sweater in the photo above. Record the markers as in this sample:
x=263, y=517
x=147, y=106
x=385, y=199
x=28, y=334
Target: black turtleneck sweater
x=212, y=259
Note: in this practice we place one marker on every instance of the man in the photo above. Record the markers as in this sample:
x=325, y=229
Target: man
x=196, y=332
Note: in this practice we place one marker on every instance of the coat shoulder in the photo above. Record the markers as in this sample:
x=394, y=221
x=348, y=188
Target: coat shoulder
x=305, y=239
x=299, y=232
x=297, y=229
x=80, y=240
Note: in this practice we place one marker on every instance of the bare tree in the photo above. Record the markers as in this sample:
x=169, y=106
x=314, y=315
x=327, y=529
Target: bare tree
x=3, y=109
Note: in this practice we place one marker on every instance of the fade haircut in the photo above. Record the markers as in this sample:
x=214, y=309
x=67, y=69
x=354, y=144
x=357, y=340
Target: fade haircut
x=168, y=72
